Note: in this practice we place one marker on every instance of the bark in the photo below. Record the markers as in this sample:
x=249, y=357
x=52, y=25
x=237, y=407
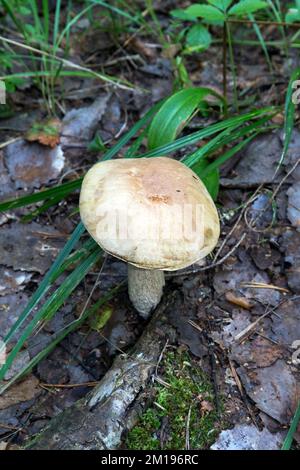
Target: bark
x=100, y=420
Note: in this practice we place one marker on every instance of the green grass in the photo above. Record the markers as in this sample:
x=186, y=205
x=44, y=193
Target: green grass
x=179, y=406
x=47, y=42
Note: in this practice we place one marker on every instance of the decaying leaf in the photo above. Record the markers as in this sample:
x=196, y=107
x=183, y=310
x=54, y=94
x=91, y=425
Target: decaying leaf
x=46, y=133
x=206, y=407
x=238, y=300
x=20, y=392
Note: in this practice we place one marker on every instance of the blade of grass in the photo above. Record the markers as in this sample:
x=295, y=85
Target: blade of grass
x=224, y=138
x=262, y=41
x=51, y=305
x=45, y=284
x=60, y=336
x=291, y=432
x=62, y=190
x=206, y=132
x=227, y=155
x=56, y=21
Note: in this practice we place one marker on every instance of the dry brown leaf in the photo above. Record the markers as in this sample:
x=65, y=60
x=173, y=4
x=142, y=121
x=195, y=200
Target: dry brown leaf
x=20, y=392
x=142, y=48
x=239, y=301
x=206, y=407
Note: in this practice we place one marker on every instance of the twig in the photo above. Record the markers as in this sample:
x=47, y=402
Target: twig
x=161, y=356
x=83, y=384
x=248, y=330
x=10, y=141
x=210, y=266
x=187, y=431
x=242, y=393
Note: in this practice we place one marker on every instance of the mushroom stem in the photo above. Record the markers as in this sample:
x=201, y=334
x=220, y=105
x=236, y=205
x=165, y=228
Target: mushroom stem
x=145, y=288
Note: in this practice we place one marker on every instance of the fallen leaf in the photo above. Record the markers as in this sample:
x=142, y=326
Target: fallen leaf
x=274, y=390
x=46, y=133
x=23, y=391
x=239, y=301
x=141, y=47
x=257, y=353
x=205, y=407
x=80, y=124
x=31, y=165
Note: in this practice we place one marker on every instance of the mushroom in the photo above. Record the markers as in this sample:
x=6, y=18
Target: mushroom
x=153, y=213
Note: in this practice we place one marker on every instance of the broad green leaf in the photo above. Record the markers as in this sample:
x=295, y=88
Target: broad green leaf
x=182, y=15
x=207, y=12
x=211, y=179
x=198, y=38
x=208, y=131
x=174, y=114
x=221, y=4
x=245, y=7
x=293, y=15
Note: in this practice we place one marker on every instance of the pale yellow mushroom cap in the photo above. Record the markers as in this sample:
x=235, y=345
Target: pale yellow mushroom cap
x=154, y=213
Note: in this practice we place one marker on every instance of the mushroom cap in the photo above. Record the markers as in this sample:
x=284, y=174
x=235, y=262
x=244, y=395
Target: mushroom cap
x=154, y=213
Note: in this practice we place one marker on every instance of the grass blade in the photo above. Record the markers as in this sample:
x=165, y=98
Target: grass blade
x=51, y=305
x=289, y=116
x=293, y=428
x=207, y=132
x=60, y=336
x=45, y=284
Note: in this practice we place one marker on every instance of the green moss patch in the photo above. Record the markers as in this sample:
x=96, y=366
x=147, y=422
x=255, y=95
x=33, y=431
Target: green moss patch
x=182, y=411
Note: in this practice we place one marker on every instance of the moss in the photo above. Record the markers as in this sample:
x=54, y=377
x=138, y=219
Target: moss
x=189, y=393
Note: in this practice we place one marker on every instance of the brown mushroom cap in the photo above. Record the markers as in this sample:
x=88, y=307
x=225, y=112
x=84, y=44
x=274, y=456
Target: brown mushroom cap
x=160, y=201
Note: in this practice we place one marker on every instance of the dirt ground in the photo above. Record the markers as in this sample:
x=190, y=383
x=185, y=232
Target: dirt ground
x=237, y=314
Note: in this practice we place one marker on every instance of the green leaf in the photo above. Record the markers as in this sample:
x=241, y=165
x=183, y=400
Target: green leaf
x=198, y=38
x=211, y=179
x=97, y=144
x=182, y=15
x=289, y=115
x=174, y=114
x=221, y=4
x=292, y=16
x=208, y=131
x=245, y=7
x=207, y=12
